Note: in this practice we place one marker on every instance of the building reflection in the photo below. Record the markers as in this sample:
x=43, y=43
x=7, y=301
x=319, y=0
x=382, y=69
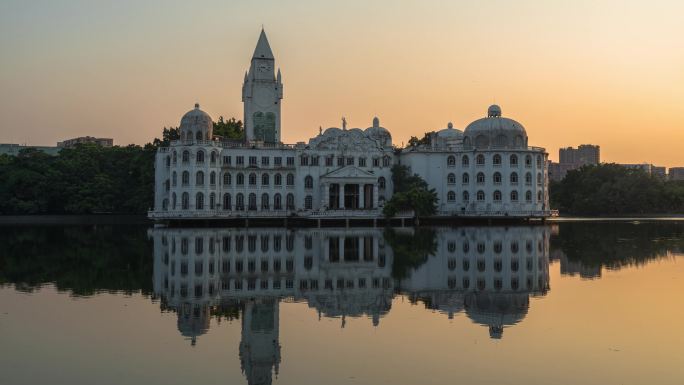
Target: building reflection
x=487, y=273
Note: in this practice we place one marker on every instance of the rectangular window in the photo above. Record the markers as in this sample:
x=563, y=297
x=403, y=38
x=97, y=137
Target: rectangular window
x=253, y=161
x=226, y=160
x=362, y=162
x=376, y=162
x=290, y=160
x=304, y=160
x=329, y=161
x=264, y=160
x=240, y=160
x=340, y=161
x=278, y=161
x=350, y=161
x=314, y=161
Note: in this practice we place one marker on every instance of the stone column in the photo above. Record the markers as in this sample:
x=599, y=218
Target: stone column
x=326, y=196
x=341, y=206
x=362, y=195
x=375, y=195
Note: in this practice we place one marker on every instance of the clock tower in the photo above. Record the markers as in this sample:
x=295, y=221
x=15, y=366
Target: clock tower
x=261, y=95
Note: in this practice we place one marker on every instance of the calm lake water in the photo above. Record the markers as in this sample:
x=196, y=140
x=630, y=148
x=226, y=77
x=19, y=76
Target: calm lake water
x=566, y=303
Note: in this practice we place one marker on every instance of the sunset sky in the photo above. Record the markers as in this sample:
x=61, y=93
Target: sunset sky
x=603, y=72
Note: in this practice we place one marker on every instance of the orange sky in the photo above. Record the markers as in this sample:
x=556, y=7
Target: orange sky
x=608, y=73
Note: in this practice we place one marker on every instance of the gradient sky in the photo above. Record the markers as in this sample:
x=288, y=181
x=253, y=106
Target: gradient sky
x=572, y=72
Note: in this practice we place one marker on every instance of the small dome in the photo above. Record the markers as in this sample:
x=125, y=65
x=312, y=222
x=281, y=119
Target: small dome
x=495, y=131
x=379, y=133
x=196, y=124
x=450, y=132
x=494, y=111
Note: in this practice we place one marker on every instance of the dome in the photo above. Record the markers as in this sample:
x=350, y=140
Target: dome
x=496, y=310
x=495, y=131
x=196, y=124
x=450, y=132
x=379, y=133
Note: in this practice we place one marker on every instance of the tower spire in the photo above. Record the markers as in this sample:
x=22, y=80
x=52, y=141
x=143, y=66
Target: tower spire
x=263, y=49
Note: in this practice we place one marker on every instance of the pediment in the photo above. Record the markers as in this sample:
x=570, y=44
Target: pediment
x=349, y=172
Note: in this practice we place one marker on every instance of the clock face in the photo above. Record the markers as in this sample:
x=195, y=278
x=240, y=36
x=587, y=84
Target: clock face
x=263, y=67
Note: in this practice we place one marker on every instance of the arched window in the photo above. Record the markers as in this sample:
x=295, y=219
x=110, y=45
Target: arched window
x=528, y=179
x=539, y=180
x=173, y=201
x=173, y=178
x=227, y=204
x=514, y=160
x=451, y=196
x=465, y=161
x=290, y=202
x=465, y=178
x=212, y=201
x=496, y=160
x=199, y=135
x=497, y=196
x=539, y=196
x=186, y=156
x=199, y=178
x=308, y=202
x=528, y=196
x=212, y=178
x=165, y=204
x=199, y=201
x=480, y=160
x=185, y=178
x=252, y=202
x=480, y=178
x=168, y=161
x=264, y=201
x=480, y=196
x=277, y=180
x=381, y=182
x=277, y=202
x=539, y=161
x=264, y=180
x=514, y=196
x=497, y=178
x=252, y=179
x=308, y=182
x=185, y=201
x=226, y=179
x=386, y=161
x=200, y=156
x=240, y=179
x=175, y=157
x=514, y=178
x=528, y=161
x=451, y=178
x=466, y=196
x=213, y=157
x=240, y=202
x=451, y=160
x=290, y=180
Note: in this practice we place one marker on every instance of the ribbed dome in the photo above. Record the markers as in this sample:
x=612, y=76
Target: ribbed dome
x=495, y=131
x=379, y=133
x=196, y=124
x=450, y=132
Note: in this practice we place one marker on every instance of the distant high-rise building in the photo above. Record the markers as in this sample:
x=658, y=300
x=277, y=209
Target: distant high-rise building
x=648, y=168
x=104, y=142
x=14, y=149
x=574, y=158
x=676, y=173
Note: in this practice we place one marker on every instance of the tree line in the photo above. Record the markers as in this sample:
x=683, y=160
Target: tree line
x=611, y=189
x=88, y=178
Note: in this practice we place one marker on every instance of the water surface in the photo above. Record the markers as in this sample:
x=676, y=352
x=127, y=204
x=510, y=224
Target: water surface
x=568, y=303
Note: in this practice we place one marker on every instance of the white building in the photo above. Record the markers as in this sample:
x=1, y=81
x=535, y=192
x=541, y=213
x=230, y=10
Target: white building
x=488, y=170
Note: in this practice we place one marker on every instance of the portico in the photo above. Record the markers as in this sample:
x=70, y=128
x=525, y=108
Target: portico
x=349, y=188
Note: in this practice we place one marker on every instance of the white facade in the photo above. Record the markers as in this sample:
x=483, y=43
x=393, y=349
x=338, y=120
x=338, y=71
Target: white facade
x=488, y=170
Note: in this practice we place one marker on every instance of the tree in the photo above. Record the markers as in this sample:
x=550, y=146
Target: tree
x=230, y=129
x=411, y=192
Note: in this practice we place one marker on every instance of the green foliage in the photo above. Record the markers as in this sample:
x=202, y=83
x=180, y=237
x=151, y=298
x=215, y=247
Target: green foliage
x=230, y=129
x=425, y=140
x=410, y=193
x=168, y=135
x=610, y=189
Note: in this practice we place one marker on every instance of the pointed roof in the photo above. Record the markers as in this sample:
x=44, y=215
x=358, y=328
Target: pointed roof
x=263, y=49
x=349, y=172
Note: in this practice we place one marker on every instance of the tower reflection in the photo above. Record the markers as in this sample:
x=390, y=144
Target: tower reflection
x=488, y=273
